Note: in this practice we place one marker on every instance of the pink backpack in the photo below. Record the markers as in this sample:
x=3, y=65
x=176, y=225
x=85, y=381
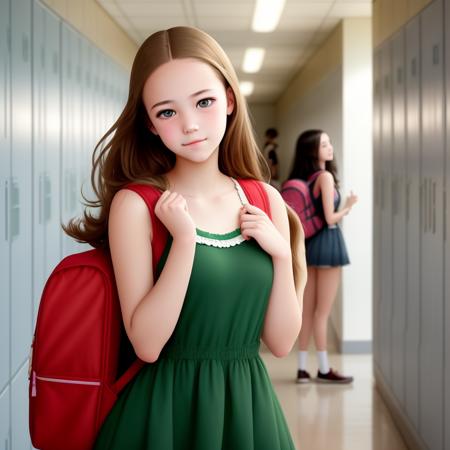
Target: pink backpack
x=298, y=195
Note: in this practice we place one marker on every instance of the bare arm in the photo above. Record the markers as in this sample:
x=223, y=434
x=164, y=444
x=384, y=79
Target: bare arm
x=284, y=313
x=326, y=184
x=150, y=311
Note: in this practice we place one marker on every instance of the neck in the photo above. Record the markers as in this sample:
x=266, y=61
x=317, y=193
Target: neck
x=193, y=179
x=322, y=165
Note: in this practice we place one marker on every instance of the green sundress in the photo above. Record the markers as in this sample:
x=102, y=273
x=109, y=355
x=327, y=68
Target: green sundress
x=209, y=388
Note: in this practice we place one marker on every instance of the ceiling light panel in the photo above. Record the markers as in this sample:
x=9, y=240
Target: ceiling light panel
x=267, y=15
x=253, y=60
x=246, y=88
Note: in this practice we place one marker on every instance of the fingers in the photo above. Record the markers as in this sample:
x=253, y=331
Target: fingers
x=252, y=209
x=170, y=199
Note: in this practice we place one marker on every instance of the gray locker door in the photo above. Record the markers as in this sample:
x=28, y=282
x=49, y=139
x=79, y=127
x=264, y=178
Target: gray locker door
x=76, y=56
x=447, y=231
x=51, y=191
x=39, y=146
x=413, y=235
x=432, y=311
x=5, y=164
x=69, y=128
x=21, y=186
x=20, y=436
x=386, y=212
x=398, y=218
x=88, y=143
x=376, y=203
x=5, y=438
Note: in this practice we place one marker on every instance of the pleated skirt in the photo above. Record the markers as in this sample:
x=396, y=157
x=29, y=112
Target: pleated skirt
x=327, y=248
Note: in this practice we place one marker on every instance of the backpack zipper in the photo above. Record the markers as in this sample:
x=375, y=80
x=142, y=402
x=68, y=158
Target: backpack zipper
x=58, y=380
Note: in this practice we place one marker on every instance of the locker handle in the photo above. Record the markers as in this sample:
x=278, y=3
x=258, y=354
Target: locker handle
x=6, y=210
x=413, y=67
x=5, y=103
x=408, y=188
x=435, y=54
x=430, y=205
x=40, y=200
x=445, y=209
x=424, y=205
x=434, y=207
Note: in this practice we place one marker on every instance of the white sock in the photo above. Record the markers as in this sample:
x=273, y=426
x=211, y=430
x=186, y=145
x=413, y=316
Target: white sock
x=302, y=356
x=323, y=362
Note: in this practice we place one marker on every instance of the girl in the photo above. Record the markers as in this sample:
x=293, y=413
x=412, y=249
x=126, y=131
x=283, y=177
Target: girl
x=325, y=251
x=185, y=130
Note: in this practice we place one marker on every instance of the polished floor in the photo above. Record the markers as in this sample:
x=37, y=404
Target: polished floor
x=334, y=417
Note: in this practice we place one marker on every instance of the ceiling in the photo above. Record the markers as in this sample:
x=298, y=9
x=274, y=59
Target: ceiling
x=302, y=28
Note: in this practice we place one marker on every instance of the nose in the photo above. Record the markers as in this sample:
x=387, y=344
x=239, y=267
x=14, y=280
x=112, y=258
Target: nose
x=188, y=129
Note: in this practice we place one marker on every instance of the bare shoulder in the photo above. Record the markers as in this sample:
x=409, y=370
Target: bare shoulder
x=275, y=198
x=129, y=212
x=326, y=178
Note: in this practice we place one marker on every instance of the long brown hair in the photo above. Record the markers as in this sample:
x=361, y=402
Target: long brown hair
x=306, y=160
x=129, y=152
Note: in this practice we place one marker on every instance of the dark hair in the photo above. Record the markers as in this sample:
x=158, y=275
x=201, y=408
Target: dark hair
x=306, y=160
x=271, y=133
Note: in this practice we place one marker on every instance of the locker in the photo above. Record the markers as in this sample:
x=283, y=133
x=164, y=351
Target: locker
x=51, y=192
x=446, y=233
x=39, y=146
x=70, y=127
x=5, y=162
x=20, y=437
x=88, y=120
x=46, y=159
x=5, y=425
x=20, y=204
x=432, y=276
x=386, y=212
x=76, y=57
x=376, y=204
x=398, y=217
x=412, y=335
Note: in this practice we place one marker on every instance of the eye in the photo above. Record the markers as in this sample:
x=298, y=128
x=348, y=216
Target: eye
x=205, y=102
x=166, y=113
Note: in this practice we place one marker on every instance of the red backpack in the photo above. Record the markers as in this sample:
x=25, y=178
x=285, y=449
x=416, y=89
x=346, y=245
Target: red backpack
x=298, y=195
x=76, y=369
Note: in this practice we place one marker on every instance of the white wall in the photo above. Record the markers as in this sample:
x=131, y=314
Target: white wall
x=263, y=117
x=320, y=107
x=356, y=172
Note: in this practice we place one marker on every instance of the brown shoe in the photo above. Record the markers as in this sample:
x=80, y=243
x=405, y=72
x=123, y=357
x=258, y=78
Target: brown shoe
x=333, y=376
x=303, y=376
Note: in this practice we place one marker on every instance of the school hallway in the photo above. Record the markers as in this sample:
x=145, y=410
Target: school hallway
x=339, y=417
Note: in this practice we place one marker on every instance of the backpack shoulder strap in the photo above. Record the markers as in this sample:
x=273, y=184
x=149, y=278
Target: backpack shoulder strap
x=160, y=234
x=314, y=176
x=256, y=194
x=294, y=183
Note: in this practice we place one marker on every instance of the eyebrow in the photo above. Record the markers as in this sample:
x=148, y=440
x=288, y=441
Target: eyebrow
x=173, y=101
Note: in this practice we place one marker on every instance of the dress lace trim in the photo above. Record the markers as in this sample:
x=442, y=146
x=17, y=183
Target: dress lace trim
x=220, y=243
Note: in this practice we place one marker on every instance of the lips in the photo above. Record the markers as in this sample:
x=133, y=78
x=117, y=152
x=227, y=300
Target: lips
x=194, y=142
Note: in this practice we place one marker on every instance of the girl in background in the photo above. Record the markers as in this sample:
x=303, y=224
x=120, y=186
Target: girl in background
x=325, y=251
x=226, y=278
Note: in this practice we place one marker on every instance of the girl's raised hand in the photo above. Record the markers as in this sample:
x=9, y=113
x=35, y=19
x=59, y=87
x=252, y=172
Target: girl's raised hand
x=171, y=209
x=351, y=200
x=256, y=224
